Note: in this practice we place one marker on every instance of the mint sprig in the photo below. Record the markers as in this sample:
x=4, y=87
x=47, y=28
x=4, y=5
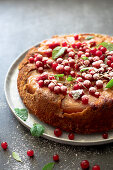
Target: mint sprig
x=57, y=52
x=57, y=76
x=85, y=58
x=49, y=166
x=16, y=156
x=108, y=45
x=22, y=113
x=77, y=94
x=69, y=78
x=84, y=69
x=110, y=84
x=105, y=61
x=37, y=130
x=89, y=37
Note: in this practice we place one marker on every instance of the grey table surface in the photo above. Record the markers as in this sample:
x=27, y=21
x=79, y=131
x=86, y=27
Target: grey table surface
x=23, y=24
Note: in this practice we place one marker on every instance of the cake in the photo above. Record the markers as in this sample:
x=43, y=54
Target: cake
x=66, y=82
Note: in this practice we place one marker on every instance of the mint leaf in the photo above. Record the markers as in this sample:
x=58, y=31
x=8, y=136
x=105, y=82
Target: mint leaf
x=37, y=130
x=58, y=51
x=84, y=69
x=69, y=78
x=16, y=156
x=105, y=61
x=76, y=94
x=22, y=113
x=49, y=166
x=108, y=45
x=89, y=37
x=109, y=84
x=85, y=58
x=59, y=75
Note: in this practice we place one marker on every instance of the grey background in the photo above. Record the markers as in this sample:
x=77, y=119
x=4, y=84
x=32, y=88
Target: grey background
x=23, y=24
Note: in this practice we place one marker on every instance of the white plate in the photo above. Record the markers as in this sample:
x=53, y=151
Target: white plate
x=14, y=101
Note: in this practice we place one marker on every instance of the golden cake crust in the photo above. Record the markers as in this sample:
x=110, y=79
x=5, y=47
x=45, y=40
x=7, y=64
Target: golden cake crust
x=47, y=106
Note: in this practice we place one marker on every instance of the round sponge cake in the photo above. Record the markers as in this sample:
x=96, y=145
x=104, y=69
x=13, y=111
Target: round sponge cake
x=67, y=82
